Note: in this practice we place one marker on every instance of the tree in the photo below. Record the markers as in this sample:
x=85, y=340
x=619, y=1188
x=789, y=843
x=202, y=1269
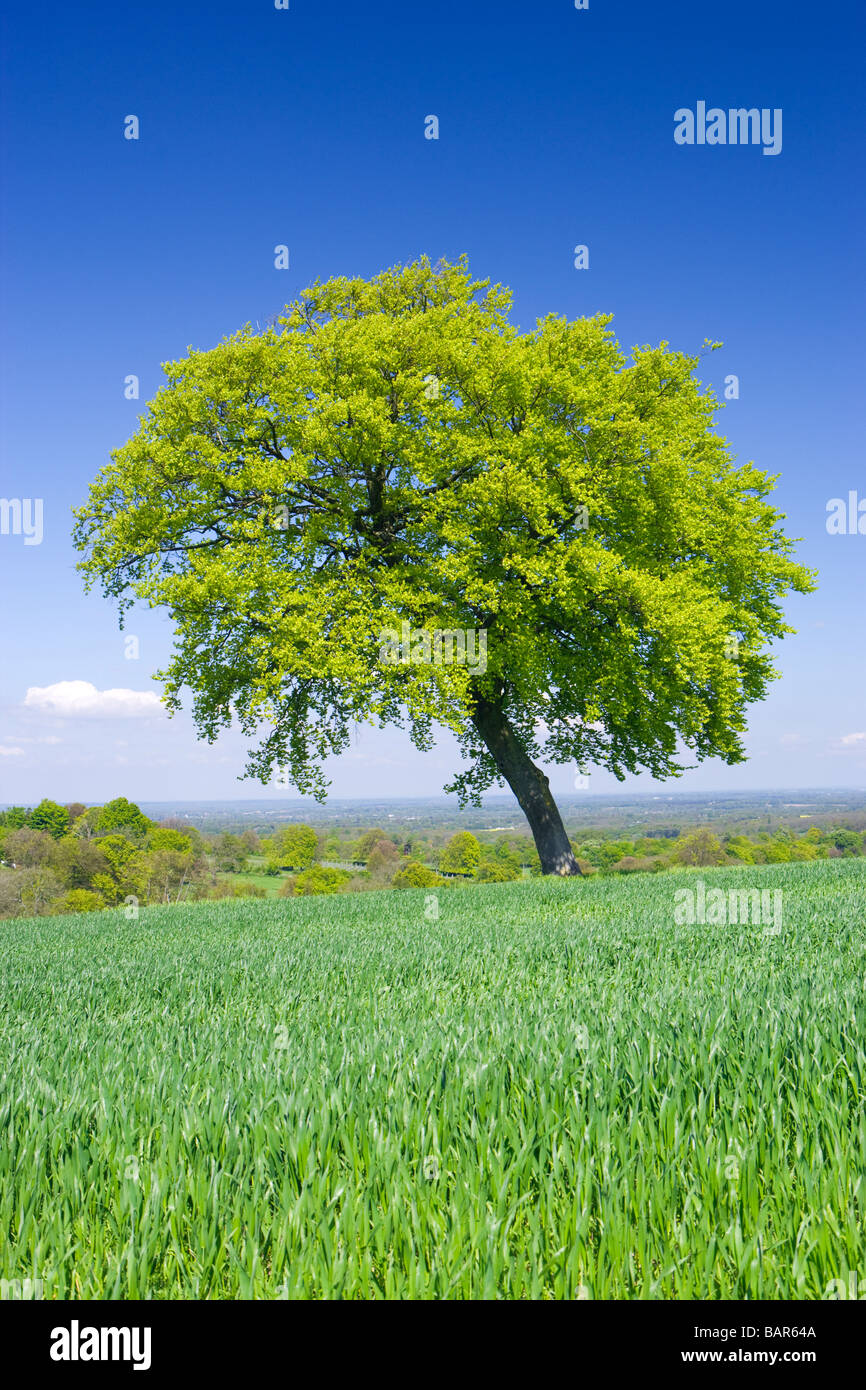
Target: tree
x=123, y=817
x=123, y=863
x=701, y=848
x=395, y=452
x=84, y=826
x=503, y=853
x=30, y=848
x=78, y=860
x=741, y=847
x=166, y=837
x=230, y=853
x=166, y=873
x=461, y=855
x=383, y=859
x=293, y=846
x=39, y=888
x=367, y=841
x=416, y=875
x=51, y=817
x=848, y=841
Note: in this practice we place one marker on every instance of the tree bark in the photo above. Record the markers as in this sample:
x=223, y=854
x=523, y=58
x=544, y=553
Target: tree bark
x=530, y=786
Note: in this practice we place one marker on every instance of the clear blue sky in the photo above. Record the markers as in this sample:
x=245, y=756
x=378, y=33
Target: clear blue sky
x=306, y=127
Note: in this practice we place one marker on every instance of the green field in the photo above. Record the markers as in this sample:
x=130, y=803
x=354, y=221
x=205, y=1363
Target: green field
x=272, y=883
x=552, y=1091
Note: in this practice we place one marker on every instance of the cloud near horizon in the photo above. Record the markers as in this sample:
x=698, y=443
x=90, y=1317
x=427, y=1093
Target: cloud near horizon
x=81, y=700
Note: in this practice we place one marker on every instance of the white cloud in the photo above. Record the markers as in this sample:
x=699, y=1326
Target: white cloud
x=81, y=700
x=848, y=744
x=11, y=752
x=47, y=738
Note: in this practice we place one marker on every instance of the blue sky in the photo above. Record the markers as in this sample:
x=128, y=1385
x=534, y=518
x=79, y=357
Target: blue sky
x=306, y=127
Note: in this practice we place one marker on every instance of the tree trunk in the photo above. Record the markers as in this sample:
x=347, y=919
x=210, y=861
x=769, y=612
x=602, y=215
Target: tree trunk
x=530, y=786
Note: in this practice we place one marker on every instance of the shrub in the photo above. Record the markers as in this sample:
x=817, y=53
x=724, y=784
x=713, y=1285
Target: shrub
x=222, y=888
x=318, y=879
x=635, y=864
x=78, y=900
x=497, y=873
x=416, y=875
x=461, y=855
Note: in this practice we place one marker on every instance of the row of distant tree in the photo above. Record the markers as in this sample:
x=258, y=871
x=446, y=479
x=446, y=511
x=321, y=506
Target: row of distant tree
x=72, y=858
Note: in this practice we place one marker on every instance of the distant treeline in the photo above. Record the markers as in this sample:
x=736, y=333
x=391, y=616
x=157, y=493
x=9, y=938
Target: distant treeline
x=71, y=858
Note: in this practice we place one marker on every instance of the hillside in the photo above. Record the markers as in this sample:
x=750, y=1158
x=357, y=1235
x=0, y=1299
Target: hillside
x=551, y=1089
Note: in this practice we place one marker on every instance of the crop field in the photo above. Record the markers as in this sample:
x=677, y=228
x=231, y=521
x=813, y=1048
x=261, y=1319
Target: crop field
x=551, y=1090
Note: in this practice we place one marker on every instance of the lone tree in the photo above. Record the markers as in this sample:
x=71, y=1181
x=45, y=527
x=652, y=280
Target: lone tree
x=394, y=456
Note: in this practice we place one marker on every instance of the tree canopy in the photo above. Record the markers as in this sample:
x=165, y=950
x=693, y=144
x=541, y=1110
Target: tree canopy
x=395, y=451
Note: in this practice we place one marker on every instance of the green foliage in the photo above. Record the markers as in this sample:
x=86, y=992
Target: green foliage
x=461, y=855
x=318, y=880
x=78, y=900
x=605, y=855
x=29, y=848
x=497, y=873
x=166, y=874
x=416, y=875
x=395, y=450
x=777, y=851
x=123, y=868
x=505, y=853
x=292, y=847
x=383, y=859
x=741, y=848
x=848, y=841
x=240, y=888
x=28, y=892
x=84, y=826
x=635, y=864
x=366, y=843
x=700, y=848
x=122, y=816
x=230, y=853
x=50, y=817
x=164, y=838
